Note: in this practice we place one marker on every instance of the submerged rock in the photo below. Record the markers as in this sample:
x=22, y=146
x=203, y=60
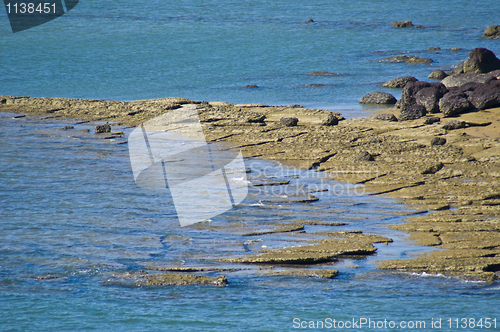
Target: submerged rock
x=399, y=82
x=378, y=98
x=170, y=279
x=322, y=73
x=309, y=273
x=407, y=59
x=404, y=24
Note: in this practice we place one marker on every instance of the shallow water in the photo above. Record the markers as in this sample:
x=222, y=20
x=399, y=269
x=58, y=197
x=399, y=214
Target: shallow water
x=71, y=211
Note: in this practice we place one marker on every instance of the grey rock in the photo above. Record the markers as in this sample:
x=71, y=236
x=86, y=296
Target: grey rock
x=461, y=79
x=386, y=117
x=454, y=124
x=289, y=122
x=100, y=129
x=493, y=31
x=331, y=120
x=481, y=60
x=429, y=97
x=378, y=98
x=432, y=120
x=438, y=141
x=413, y=112
x=399, y=82
x=453, y=103
x=363, y=156
x=437, y=74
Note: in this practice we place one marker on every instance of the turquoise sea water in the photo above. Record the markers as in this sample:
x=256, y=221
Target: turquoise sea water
x=69, y=207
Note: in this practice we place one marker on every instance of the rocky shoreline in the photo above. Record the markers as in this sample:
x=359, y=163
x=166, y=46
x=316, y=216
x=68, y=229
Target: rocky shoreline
x=449, y=168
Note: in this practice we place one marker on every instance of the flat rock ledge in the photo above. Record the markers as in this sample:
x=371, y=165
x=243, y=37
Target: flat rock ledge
x=462, y=196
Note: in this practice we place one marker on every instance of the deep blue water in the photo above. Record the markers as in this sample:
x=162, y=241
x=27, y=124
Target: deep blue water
x=210, y=50
x=69, y=206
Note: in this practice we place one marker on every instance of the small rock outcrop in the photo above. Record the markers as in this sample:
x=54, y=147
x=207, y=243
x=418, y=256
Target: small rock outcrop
x=364, y=156
x=399, y=82
x=437, y=74
x=454, y=124
x=331, y=120
x=289, y=122
x=438, y=141
x=493, y=31
x=383, y=98
x=386, y=117
x=404, y=24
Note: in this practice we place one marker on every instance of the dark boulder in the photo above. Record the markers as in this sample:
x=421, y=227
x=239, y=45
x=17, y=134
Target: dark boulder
x=100, y=129
x=409, y=92
x=438, y=141
x=429, y=97
x=437, y=74
x=378, y=98
x=481, y=60
x=386, y=117
x=399, y=82
x=484, y=96
x=454, y=124
x=412, y=112
x=251, y=86
x=493, y=31
x=289, y=122
x=454, y=102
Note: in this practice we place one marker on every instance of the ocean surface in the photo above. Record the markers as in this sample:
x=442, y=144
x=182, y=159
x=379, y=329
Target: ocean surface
x=73, y=222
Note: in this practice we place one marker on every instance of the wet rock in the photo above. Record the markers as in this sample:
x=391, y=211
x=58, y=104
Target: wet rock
x=170, y=279
x=105, y=128
x=407, y=59
x=455, y=49
x=481, y=60
x=314, y=85
x=453, y=103
x=429, y=97
x=363, y=156
x=404, y=24
x=493, y=31
x=433, y=48
x=289, y=122
x=308, y=21
x=437, y=74
x=432, y=120
x=322, y=73
x=386, y=117
x=331, y=120
x=413, y=112
x=68, y=127
x=438, y=141
x=251, y=86
x=454, y=124
x=399, y=82
x=316, y=273
x=378, y=98
x=461, y=79
x=433, y=169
